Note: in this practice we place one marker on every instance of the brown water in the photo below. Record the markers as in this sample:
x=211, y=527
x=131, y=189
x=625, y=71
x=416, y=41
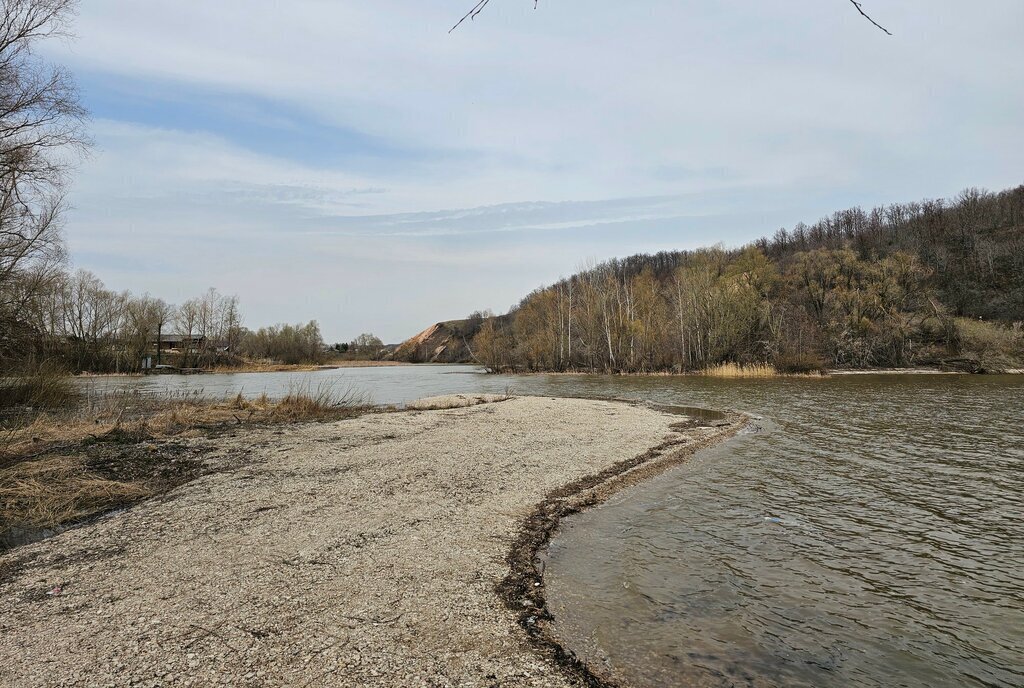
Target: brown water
x=872, y=535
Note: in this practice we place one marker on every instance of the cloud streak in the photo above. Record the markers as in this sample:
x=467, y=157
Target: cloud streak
x=279, y=154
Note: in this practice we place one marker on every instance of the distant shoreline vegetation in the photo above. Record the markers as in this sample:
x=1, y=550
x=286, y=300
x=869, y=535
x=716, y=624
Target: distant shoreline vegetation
x=930, y=284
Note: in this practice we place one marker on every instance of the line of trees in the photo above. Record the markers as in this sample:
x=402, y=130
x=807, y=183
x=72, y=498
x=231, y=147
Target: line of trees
x=920, y=283
x=76, y=323
x=285, y=343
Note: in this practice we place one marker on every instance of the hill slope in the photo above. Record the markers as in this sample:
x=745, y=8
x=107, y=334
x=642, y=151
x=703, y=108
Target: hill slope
x=931, y=283
x=443, y=342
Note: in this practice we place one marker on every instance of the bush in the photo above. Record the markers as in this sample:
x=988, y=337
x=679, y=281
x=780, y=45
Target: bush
x=45, y=386
x=995, y=346
x=802, y=363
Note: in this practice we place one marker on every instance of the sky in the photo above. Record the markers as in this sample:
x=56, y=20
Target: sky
x=357, y=164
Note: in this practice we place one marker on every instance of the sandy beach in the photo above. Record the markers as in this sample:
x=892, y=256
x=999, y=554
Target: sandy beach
x=388, y=549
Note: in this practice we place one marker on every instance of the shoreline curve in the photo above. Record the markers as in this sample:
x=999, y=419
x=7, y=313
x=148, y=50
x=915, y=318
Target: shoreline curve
x=523, y=589
x=366, y=551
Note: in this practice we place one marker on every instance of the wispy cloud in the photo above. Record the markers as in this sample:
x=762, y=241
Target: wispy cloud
x=356, y=163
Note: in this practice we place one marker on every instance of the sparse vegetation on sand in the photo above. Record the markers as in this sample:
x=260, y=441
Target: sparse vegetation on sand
x=58, y=466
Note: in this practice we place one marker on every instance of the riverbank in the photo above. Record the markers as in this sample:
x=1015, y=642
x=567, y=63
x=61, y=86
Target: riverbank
x=302, y=368
x=371, y=551
x=253, y=367
x=757, y=372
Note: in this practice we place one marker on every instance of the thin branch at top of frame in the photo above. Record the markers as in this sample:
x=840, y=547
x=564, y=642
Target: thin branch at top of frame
x=479, y=7
x=866, y=16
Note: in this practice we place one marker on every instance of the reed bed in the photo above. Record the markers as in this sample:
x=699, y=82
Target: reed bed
x=738, y=370
x=173, y=413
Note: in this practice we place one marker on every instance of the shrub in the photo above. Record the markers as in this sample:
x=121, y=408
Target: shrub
x=803, y=363
x=995, y=346
x=44, y=386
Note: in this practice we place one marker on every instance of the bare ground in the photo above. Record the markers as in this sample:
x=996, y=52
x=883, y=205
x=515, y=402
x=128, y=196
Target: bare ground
x=380, y=550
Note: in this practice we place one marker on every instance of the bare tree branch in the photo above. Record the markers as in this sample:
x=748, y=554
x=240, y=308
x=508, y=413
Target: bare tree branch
x=865, y=15
x=41, y=133
x=471, y=15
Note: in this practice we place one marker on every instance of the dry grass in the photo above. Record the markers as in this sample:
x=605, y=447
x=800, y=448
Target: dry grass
x=995, y=346
x=738, y=370
x=264, y=367
x=43, y=387
x=149, y=416
x=272, y=367
x=303, y=403
x=47, y=492
x=754, y=370
x=52, y=467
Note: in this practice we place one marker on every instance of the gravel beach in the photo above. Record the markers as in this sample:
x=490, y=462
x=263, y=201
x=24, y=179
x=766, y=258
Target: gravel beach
x=364, y=552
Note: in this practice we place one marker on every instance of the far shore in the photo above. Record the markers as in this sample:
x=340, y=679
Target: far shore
x=335, y=365
x=776, y=375
x=383, y=549
x=271, y=368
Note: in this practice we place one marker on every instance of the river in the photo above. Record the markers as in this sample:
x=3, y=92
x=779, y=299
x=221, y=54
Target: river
x=872, y=534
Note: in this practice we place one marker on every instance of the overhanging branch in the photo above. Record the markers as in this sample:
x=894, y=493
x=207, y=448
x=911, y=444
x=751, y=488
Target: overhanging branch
x=865, y=15
x=471, y=15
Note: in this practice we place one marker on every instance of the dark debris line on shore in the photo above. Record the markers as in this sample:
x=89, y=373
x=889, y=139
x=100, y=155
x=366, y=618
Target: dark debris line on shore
x=523, y=591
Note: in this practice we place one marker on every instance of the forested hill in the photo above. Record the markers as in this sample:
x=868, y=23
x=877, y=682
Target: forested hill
x=931, y=283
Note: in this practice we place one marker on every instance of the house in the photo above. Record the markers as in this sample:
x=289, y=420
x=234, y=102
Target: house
x=171, y=340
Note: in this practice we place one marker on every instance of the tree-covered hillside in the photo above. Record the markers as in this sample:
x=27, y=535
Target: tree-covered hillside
x=929, y=283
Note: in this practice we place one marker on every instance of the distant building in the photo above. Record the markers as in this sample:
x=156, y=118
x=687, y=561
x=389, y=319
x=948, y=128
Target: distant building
x=172, y=340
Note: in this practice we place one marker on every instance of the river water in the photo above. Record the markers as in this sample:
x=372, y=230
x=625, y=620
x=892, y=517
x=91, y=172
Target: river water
x=872, y=534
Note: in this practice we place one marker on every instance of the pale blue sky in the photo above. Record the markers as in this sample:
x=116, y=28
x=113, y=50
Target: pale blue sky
x=355, y=163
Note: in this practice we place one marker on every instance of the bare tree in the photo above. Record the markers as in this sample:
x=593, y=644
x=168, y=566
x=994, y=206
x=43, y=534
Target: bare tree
x=146, y=319
x=479, y=7
x=186, y=320
x=41, y=122
x=366, y=344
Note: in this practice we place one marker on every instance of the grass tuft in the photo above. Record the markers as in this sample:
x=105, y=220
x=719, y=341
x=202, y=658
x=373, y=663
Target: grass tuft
x=995, y=346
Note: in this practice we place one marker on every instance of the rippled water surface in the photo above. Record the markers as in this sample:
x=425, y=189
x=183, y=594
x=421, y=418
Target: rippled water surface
x=872, y=535
x=381, y=385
